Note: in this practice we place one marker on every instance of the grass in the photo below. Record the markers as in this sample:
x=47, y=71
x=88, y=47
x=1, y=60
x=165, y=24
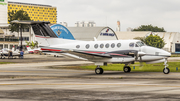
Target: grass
x=175, y=55
x=145, y=68
x=6, y=62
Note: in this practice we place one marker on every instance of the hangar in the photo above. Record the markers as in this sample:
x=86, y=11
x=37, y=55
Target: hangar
x=172, y=39
x=88, y=33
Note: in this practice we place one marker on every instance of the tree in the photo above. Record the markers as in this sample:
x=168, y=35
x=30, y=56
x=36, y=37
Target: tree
x=32, y=44
x=19, y=15
x=155, y=41
x=149, y=28
x=152, y=40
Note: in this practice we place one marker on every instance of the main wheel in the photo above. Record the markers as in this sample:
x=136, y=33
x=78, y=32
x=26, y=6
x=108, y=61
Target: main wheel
x=127, y=69
x=99, y=71
x=166, y=70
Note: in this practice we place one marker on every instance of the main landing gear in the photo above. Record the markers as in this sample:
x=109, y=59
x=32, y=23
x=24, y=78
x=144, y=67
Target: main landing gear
x=127, y=69
x=166, y=70
x=99, y=70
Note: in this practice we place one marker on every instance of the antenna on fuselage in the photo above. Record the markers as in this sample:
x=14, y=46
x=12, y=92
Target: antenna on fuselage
x=95, y=39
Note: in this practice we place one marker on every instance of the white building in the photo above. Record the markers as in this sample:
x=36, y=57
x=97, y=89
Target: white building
x=3, y=12
x=172, y=39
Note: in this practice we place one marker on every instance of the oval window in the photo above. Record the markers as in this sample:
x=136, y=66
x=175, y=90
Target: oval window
x=119, y=45
x=112, y=45
x=102, y=46
x=87, y=46
x=96, y=46
x=131, y=45
x=107, y=45
x=78, y=46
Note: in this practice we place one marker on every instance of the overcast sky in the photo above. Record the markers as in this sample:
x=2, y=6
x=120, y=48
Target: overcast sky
x=131, y=13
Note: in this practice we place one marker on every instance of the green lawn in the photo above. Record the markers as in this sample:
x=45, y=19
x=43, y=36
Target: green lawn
x=158, y=67
x=6, y=62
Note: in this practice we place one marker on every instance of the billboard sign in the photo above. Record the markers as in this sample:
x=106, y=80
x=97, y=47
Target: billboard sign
x=62, y=32
x=107, y=32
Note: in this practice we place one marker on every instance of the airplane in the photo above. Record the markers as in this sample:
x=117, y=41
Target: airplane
x=35, y=50
x=5, y=53
x=100, y=52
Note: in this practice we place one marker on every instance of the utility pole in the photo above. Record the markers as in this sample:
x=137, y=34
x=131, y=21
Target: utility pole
x=21, y=37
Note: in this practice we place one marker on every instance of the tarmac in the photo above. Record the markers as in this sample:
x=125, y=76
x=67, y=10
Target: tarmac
x=40, y=77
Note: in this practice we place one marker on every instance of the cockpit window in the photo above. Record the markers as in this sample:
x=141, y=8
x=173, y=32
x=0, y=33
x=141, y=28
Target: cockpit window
x=137, y=45
x=140, y=43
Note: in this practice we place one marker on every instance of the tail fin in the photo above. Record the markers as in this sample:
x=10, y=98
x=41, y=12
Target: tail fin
x=62, y=32
x=29, y=49
x=46, y=37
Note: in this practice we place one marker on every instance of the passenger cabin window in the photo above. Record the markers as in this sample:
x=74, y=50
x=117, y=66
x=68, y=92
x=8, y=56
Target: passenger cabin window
x=131, y=45
x=102, y=46
x=119, y=45
x=87, y=46
x=112, y=45
x=78, y=46
x=107, y=45
x=96, y=46
x=137, y=45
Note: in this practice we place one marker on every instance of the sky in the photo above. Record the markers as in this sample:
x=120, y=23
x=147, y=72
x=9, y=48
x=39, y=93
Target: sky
x=130, y=13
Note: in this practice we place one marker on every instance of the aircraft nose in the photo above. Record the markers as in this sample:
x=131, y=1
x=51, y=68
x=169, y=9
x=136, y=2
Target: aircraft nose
x=155, y=51
x=165, y=53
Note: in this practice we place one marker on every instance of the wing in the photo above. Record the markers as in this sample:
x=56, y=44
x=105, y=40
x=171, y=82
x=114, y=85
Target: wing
x=88, y=55
x=93, y=54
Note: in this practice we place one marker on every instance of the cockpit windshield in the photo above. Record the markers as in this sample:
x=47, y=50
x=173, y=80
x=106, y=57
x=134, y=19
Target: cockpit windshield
x=140, y=43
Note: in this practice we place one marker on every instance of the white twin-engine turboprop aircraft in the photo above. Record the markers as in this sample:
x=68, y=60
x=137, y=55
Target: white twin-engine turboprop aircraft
x=100, y=52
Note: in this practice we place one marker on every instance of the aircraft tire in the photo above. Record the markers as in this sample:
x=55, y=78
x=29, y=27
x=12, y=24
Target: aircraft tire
x=127, y=69
x=99, y=71
x=102, y=71
x=166, y=70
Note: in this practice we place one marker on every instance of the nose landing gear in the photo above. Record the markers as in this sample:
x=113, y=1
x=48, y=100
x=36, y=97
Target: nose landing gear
x=166, y=70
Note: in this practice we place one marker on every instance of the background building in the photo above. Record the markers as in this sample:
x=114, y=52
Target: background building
x=3, y=13
x=37, y=12
x=88, y=33
x=172, y=39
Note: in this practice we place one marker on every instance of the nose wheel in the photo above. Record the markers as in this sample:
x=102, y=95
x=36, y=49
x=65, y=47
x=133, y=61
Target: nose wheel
x=166, y=70
x=99, y=70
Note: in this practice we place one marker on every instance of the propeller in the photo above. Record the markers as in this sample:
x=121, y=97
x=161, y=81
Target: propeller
x=140, y=54
x=137, y=55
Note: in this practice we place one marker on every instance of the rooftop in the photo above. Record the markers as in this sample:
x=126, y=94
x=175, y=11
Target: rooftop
x=29, y=4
